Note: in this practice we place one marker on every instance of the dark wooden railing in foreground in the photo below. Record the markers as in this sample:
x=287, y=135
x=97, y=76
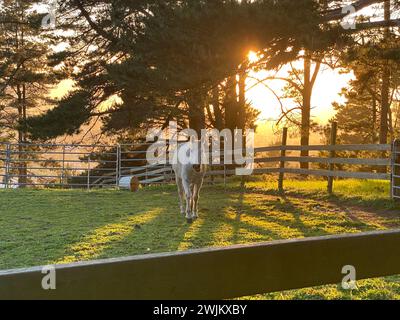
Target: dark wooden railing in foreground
x=215, y=273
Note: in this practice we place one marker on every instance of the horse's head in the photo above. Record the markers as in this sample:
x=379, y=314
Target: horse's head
x=192, y=153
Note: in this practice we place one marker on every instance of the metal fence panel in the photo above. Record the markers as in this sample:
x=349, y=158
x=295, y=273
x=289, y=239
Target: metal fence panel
x=56, y=165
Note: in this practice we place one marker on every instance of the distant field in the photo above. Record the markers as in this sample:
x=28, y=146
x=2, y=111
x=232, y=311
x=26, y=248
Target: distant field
x=50, y=226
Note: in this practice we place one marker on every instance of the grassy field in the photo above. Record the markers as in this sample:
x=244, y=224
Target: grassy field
x=48, y=226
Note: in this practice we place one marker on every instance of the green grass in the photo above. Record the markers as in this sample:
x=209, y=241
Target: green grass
x=41, y=227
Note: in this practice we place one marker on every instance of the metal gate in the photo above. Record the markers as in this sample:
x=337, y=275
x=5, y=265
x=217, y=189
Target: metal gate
x=396, y=170
x=76, y=166
x=56, y=165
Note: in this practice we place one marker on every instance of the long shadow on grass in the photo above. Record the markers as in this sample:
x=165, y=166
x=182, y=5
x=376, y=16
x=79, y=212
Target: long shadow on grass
x=225, y=219
x=151, y=226
x=236, y=212
x=93, y=244
x=165, y=233
x=227, y=226
x=168, y=232
x=45, y=222
x=260, y=217
x=271, y=226
x=210, y=229
x=144, y=232
x=367, y=203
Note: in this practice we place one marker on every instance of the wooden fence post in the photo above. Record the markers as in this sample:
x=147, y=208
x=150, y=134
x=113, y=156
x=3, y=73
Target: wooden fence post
x=332, y=155
x=63, y=168
x=282, y=164
x=118, y=166
x=8, y=164
x=224, y=176
x=88, y=173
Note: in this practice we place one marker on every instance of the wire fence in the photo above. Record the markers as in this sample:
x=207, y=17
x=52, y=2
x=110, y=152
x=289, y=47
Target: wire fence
x=56, y=165
x=77, y=166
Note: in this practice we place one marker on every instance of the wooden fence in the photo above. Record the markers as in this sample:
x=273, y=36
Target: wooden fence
x=265, y=163
x=219, y=273
x=383, y=159
x=94, y=166
x=332, y=161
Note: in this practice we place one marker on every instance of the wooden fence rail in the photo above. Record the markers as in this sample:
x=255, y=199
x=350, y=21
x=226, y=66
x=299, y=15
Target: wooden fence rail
x=282, y=160
x=350, y=161
x=155, y=174
x=219, y=273
x=331, y=161
x=346, y=147
x=318, y=173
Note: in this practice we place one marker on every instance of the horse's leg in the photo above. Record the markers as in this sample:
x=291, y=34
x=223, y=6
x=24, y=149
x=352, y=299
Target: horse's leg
x=188, y=194
x=195, y=200
x=196, y=197
x=181, y=193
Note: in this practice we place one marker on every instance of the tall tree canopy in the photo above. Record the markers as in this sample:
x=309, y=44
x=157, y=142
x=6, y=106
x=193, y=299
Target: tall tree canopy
x=26, y=70
x=173, y=59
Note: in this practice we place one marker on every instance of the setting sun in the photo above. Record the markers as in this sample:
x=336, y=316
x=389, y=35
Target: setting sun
x=265, y=95
x=253, y=56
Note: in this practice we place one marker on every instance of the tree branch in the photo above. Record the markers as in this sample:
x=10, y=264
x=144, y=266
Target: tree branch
x=315, y=74
x=92, y=24
x=337, y=14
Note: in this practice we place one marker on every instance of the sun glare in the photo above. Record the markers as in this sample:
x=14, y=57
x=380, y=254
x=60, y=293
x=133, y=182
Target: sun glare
x=253, y=56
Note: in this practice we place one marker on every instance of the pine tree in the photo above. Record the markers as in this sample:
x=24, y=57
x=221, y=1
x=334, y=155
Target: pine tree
x=164, y=58
x=26, y=73
x=166, y=64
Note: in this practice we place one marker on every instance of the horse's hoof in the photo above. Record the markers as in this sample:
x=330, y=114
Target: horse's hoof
x=189, y=220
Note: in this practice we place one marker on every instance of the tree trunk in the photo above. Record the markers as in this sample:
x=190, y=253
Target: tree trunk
x=21, y=109
x=219, y=124
x=306, y=111
x=231, y=104
x=241, y=116
x=383, y=135
x=197, y=119
x=197, y=116
x=22, y=166
x=374, y=119
x=391, y=128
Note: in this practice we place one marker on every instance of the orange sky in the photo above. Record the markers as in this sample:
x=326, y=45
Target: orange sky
x=327, y=88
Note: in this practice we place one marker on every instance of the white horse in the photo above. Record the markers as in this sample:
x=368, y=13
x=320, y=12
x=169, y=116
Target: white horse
x=189, y=176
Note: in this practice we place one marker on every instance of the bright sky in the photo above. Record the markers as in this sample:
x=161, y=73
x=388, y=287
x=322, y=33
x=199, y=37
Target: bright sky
x=326, y=90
